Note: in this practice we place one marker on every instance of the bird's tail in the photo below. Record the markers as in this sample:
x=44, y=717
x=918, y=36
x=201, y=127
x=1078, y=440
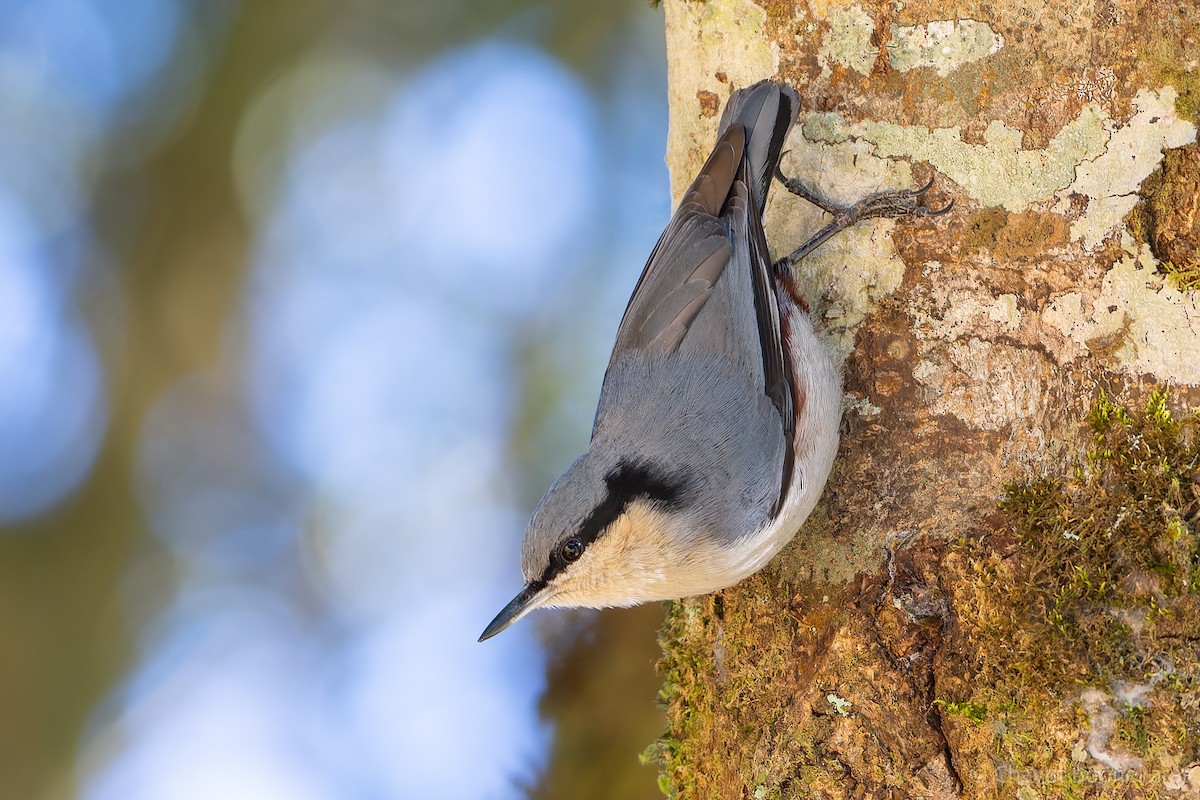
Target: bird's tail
x=767, y=111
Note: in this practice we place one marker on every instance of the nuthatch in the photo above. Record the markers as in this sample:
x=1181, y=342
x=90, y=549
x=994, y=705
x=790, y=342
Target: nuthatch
x=719, y=413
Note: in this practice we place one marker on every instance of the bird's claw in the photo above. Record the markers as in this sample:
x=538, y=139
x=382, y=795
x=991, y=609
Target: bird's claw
x=915, y=209
x=889, y=204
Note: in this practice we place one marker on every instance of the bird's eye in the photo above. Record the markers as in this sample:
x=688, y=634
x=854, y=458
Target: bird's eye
x=571, y=549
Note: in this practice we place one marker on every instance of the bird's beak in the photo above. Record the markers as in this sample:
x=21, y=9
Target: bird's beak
x=529, y=598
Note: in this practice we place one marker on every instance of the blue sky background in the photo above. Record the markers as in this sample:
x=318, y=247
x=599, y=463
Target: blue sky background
x=430, y=256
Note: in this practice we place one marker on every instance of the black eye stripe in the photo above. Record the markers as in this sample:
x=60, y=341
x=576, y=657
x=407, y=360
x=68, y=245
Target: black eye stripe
x=640, y=480
x=625, y=483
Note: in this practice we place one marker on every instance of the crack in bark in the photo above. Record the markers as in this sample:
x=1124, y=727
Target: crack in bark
x=934, y=710
x=922, y=680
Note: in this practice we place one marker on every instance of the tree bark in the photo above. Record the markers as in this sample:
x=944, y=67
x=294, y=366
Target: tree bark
x=997, y=596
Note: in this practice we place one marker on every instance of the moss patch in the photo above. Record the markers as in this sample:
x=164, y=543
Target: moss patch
x=1166, y=30
x=764, y=701
x=1168, y=216
x=1113, y=541
x=1078, y=636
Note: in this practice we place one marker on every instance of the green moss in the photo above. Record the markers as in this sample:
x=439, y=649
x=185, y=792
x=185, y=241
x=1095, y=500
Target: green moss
x=734, y=664
x=1114, y=533
x=1133, y=728
x=1097, y=587
x=688, y=696
x=1164, y=217
x=1185, y=277
x=1163, y=37
x=974, y=712
x=1187, y=83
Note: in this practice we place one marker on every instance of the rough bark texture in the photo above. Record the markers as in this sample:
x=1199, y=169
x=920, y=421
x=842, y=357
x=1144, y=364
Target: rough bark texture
x=998, y=593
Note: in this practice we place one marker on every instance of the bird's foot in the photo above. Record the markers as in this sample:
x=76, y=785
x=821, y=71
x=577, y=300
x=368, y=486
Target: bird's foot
x=889, y=204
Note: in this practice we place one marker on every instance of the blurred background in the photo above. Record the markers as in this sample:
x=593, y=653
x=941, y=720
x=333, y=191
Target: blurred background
x=303, y=303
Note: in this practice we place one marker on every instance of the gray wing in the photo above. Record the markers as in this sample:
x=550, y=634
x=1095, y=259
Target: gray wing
x=756, y=334
x=742, y=320
x=690, y=256
x=707, y=284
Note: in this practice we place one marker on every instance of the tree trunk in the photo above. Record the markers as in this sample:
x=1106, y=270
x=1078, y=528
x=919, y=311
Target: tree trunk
x=999, y=595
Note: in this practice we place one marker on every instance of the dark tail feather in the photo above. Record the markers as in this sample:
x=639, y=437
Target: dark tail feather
x=767, y=111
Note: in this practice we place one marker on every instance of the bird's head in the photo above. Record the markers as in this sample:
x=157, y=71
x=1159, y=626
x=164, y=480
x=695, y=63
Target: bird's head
x=613, y=533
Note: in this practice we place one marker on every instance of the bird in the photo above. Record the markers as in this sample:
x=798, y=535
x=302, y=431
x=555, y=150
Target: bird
x=719, y=413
